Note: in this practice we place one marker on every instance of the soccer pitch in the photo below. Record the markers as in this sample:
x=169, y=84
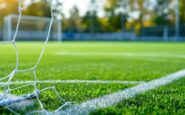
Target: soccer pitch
x=83, y=71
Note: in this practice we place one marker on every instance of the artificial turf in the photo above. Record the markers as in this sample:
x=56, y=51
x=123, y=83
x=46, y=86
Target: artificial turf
x=166, y=100
x=93, y=61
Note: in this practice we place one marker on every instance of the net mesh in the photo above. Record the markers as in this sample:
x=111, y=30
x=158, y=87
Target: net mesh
x=6, y=98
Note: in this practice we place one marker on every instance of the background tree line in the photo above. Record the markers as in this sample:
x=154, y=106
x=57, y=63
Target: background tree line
x=120, y=15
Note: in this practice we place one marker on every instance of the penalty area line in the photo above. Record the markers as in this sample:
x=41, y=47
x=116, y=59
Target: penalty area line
x=112, y=99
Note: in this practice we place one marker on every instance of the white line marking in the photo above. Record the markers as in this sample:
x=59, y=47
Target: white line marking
x=77, y=81
x=112, y=99
x=128, y=54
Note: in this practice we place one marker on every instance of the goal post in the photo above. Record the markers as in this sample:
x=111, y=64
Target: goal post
x=32, y=28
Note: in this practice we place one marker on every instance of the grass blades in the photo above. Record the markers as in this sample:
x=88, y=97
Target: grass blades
x=165, y=100
x=98, y=61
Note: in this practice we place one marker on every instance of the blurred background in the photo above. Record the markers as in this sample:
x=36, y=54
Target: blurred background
x=100, y=20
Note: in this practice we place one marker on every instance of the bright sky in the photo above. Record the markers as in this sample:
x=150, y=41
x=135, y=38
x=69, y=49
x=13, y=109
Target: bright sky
x=83, y=6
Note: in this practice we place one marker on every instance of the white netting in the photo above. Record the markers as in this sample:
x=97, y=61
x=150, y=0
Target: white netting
x=6, y=98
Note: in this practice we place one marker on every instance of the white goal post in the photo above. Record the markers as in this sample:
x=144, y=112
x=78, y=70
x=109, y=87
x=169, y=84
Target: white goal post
x=32, y=28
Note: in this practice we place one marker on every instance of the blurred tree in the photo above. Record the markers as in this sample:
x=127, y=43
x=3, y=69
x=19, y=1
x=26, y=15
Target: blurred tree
x=57, y=5
x=91, y=21
x=119, y=14
x=74, y=20
x=7, y=7
x=125, y=9
x=140, y=4
x=64, y=23
x=104, y=24
x=36, y=9
x=143, y=7
x=110, y=7
x=163, y=12
x=182, y=11
x=93, y=17
x=88, y=23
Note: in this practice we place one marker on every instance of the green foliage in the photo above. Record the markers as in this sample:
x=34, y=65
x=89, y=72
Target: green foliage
x=182, y=9
x=164, y=12
x=74, y=20
x=10, y=7
x=158, y=12
x=110, y=7
x=36, y=9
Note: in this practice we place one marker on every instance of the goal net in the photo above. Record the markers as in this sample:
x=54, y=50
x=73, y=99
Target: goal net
x=32, y=28
x=31, y=93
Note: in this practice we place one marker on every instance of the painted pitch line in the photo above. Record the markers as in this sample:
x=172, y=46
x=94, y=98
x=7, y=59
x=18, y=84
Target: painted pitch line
x=122, y=54
x=112, y=99
x=77, y=81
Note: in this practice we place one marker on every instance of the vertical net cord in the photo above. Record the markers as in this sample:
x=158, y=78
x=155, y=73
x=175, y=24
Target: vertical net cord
x=16, y=52
x=40, y=57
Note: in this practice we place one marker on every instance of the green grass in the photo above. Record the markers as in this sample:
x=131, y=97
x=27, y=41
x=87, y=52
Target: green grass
x=75, y=93
x=98, y=61
x=165, y=100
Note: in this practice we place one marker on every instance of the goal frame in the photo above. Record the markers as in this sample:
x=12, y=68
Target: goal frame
x=8, y=29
